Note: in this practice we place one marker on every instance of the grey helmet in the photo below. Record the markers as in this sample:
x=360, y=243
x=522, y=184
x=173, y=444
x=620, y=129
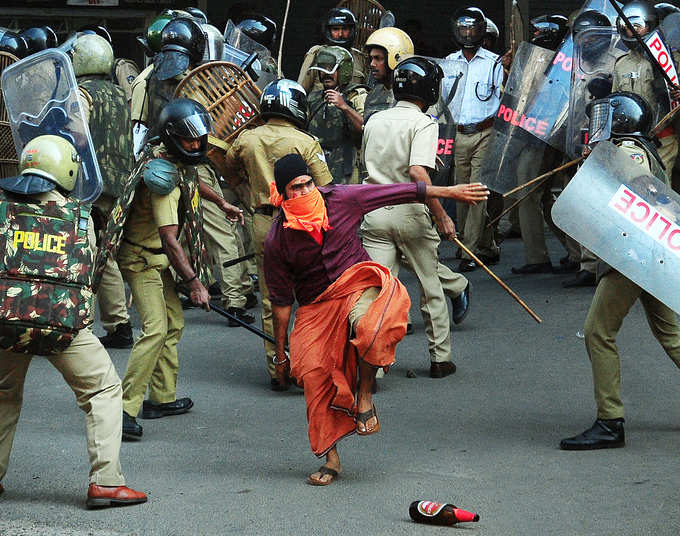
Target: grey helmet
x=92, y=54
x=641, y=15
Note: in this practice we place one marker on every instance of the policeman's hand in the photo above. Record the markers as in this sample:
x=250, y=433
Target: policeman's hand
x=199, y=295
x=445, y=226
x=335, y=98
x=233, y=213
x=471, y=194
x=675, y=93
x=506, y=59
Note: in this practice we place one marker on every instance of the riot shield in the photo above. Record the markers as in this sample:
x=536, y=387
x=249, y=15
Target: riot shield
x=238, y=48
x=630, y=221
x=595, y=53
x=41, y=97
x=8, y=153
x=516, y=144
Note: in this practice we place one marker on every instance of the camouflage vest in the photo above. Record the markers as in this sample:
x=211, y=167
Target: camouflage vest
x=380, y=98
x=160, y=92
x=111, y=132
x=190, y=219
x=45, y=274
x=331, y=126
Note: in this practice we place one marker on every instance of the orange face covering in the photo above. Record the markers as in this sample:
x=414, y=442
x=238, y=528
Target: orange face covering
x=304, y=213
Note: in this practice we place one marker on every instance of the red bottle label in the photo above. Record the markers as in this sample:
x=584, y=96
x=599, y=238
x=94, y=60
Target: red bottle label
x=429, y=508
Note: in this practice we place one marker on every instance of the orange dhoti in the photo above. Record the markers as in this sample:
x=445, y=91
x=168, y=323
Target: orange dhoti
x=325, y=359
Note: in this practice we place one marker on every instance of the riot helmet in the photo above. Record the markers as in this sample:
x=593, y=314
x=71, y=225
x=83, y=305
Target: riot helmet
x=39, y=38
x=395, y=42
x=468, y=26
x=196, y=13
x=491, y=35
x=642, y=16
x=12, y=43
x=260, y=29
x=417, y=78
x=284, y=98
x=45, y=163
x=664, y=9
x=590, y=18
x=332, y=59
x=547, y=31
x=92, y=54
x=183, y=44
x=340, y=17
x=620, y=114
x=152, y=41
x=96, y=29
x=189, y=120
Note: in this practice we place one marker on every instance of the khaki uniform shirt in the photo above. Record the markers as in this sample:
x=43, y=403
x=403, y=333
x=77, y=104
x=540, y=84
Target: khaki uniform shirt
x=310, y=79
x=256, y=151
x=139, y=103
x=125, y=73
x=396, y=139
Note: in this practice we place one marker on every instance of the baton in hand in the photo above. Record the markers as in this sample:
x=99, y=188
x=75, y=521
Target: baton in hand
x=227, y=264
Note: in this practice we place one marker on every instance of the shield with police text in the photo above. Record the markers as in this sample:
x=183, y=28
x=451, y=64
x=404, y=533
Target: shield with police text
x=41, y=97
x=522, y=124
x=630, y=220
x=595, y=53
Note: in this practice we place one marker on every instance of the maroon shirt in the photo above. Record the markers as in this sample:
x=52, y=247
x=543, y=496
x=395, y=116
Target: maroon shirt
x=295, y=266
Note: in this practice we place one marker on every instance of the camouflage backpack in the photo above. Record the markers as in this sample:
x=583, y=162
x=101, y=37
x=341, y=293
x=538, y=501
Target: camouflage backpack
x=45, y=274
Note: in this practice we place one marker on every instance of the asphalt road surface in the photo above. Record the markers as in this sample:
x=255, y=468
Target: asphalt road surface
x=485, y=439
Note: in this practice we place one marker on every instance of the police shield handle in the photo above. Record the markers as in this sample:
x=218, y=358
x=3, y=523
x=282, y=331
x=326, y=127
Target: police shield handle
x=498, y=280
x=544, y=176
x=434, y=513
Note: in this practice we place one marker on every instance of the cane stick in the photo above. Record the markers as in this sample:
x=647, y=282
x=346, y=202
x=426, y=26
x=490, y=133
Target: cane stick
x=665, y=120
x=283, y=33
x=536, y=187
x=497, y=279
x=544, y=176
x=232, y=262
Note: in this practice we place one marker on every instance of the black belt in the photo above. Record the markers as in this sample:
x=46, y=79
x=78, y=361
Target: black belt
x=476, y=127
x=267, y=210
x=155, y=251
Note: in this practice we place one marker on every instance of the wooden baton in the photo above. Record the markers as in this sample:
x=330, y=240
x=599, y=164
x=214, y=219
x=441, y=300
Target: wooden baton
x=544, y=176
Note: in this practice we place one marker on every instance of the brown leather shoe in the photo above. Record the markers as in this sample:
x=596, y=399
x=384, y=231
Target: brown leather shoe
x=441, y=369
x=105, y=496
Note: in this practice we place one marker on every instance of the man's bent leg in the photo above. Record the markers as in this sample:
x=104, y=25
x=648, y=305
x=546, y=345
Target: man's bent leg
x=88, y=370
x=614, y=296
x=111, y=297
x=13, y=369
x=663, y=322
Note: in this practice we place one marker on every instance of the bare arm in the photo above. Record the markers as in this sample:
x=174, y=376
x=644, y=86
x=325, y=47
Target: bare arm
x=441, y=219
x=281, y=315
x=178, y=259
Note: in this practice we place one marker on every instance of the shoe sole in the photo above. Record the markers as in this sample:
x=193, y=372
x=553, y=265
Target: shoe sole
x=613, y=445
x=158, y=413
x=127, y=436
x=105, y=503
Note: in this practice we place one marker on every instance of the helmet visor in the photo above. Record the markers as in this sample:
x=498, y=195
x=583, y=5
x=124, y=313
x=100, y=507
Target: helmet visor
x=194, y=126
x=600, y=126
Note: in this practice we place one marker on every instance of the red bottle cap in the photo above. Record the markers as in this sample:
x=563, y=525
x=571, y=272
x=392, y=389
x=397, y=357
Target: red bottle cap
x=464, y=515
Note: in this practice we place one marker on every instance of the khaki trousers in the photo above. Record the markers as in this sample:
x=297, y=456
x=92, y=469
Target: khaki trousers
x=261, y=225
x=614, y=296
x=153, y=361
x=668, y=152
x=388, y=233
x=470, y=152
x=246, y=230
x=89, y=372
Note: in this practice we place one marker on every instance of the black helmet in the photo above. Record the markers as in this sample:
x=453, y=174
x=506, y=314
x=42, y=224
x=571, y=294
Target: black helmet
x=196, y=13
x=184, y=118
x=547, y=31
x=260, y=29
x=12, y=43
x=641, y=15
x=620, y=114
x=590, y=18
x=284, y=98
x=38, y=39
x=182, y=45
x=468, y=26
x=340, y=16
x=491, y=35
x=664, y=9
x=417, y=78
x=101, y=31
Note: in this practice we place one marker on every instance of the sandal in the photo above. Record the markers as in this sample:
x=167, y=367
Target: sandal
x=363, y=418
x=323, y=470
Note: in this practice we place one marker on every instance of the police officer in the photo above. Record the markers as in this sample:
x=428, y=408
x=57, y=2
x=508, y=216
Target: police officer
x=335, y=111
x=262, y=30
x=399, y=145
x=39, y=38
x=150, y=246
x=480, y=89
x=49, y=166
x=631, y=121
x=339, y=29
x=283, y=105
x=106, y=110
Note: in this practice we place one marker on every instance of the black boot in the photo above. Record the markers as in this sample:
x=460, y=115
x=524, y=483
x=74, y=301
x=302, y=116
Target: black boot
x=583, y=278
x=604, y=434
x=121, y=337
x=131, y=430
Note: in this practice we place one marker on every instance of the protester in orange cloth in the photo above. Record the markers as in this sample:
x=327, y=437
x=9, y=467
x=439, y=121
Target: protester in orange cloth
x=352, y=312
